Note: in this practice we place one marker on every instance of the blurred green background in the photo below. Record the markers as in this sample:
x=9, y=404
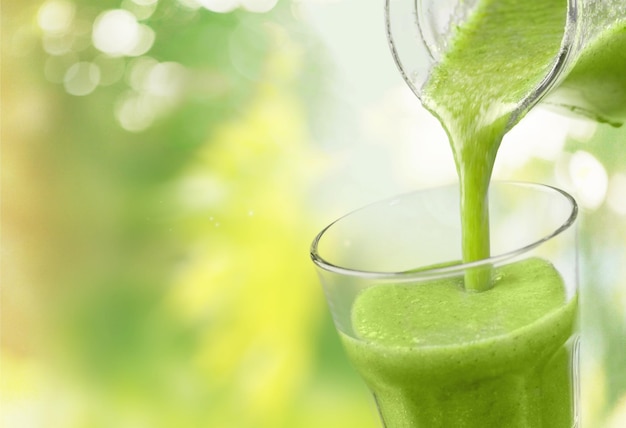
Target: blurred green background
x=165, y=165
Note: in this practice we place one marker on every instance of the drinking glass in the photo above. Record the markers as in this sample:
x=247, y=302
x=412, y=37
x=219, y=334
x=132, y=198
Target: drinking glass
x=436, y=355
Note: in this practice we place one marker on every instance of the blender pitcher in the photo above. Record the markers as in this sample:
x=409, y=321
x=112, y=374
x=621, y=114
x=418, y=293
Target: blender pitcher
x=587, y=75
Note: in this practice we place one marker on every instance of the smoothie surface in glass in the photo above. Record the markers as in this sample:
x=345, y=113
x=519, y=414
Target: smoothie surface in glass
x=424, y=351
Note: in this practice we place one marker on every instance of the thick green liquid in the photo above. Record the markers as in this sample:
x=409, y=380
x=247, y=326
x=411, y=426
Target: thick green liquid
x=597, y=84
x=494, y=62
x=479, y=351
x=447, y=358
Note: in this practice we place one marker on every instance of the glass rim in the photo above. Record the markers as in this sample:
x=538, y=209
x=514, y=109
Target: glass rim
x=447, y=270
x=563, y=58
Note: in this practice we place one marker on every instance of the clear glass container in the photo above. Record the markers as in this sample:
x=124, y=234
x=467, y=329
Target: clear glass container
x=436, y=355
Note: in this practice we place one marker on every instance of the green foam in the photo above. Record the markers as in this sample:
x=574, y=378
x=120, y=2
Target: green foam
x=435, y=355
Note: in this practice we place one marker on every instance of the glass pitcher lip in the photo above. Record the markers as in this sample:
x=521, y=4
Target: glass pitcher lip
x=562, y=61
x=448, y=270
x=563, y=58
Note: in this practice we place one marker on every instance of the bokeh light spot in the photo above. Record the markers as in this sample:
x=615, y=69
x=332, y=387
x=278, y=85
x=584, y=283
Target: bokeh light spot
x=541, y=134
x=116, y=32
x=190, y=4
x=138, y=72
x=82, y=78
x=166, y=79
x=259, y=6
x=56, y=16
x=111, y=69
x=617, y=419
x=145, y=40
x=202, y=190
x=142, y=9
x=156, y=90
x=589, y=178
x=245, y=47
x=81, y=35
x=220, y=6
x=616, y=196
x=135, y=112
x=57, y=44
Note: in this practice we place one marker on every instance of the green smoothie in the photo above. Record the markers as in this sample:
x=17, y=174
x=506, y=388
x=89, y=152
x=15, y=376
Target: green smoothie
x=596, y=87
x=447, y=358
x=497, y=58
x=494, y=62
x=490, y=348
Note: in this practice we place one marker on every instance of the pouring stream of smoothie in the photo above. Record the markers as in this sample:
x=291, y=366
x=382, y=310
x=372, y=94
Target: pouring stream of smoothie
x=434, y=354
x=495, y=61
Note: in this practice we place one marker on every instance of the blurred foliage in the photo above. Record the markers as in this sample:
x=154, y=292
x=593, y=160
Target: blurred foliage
x=602, y=234
x=155, y=236
x=159, y=276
